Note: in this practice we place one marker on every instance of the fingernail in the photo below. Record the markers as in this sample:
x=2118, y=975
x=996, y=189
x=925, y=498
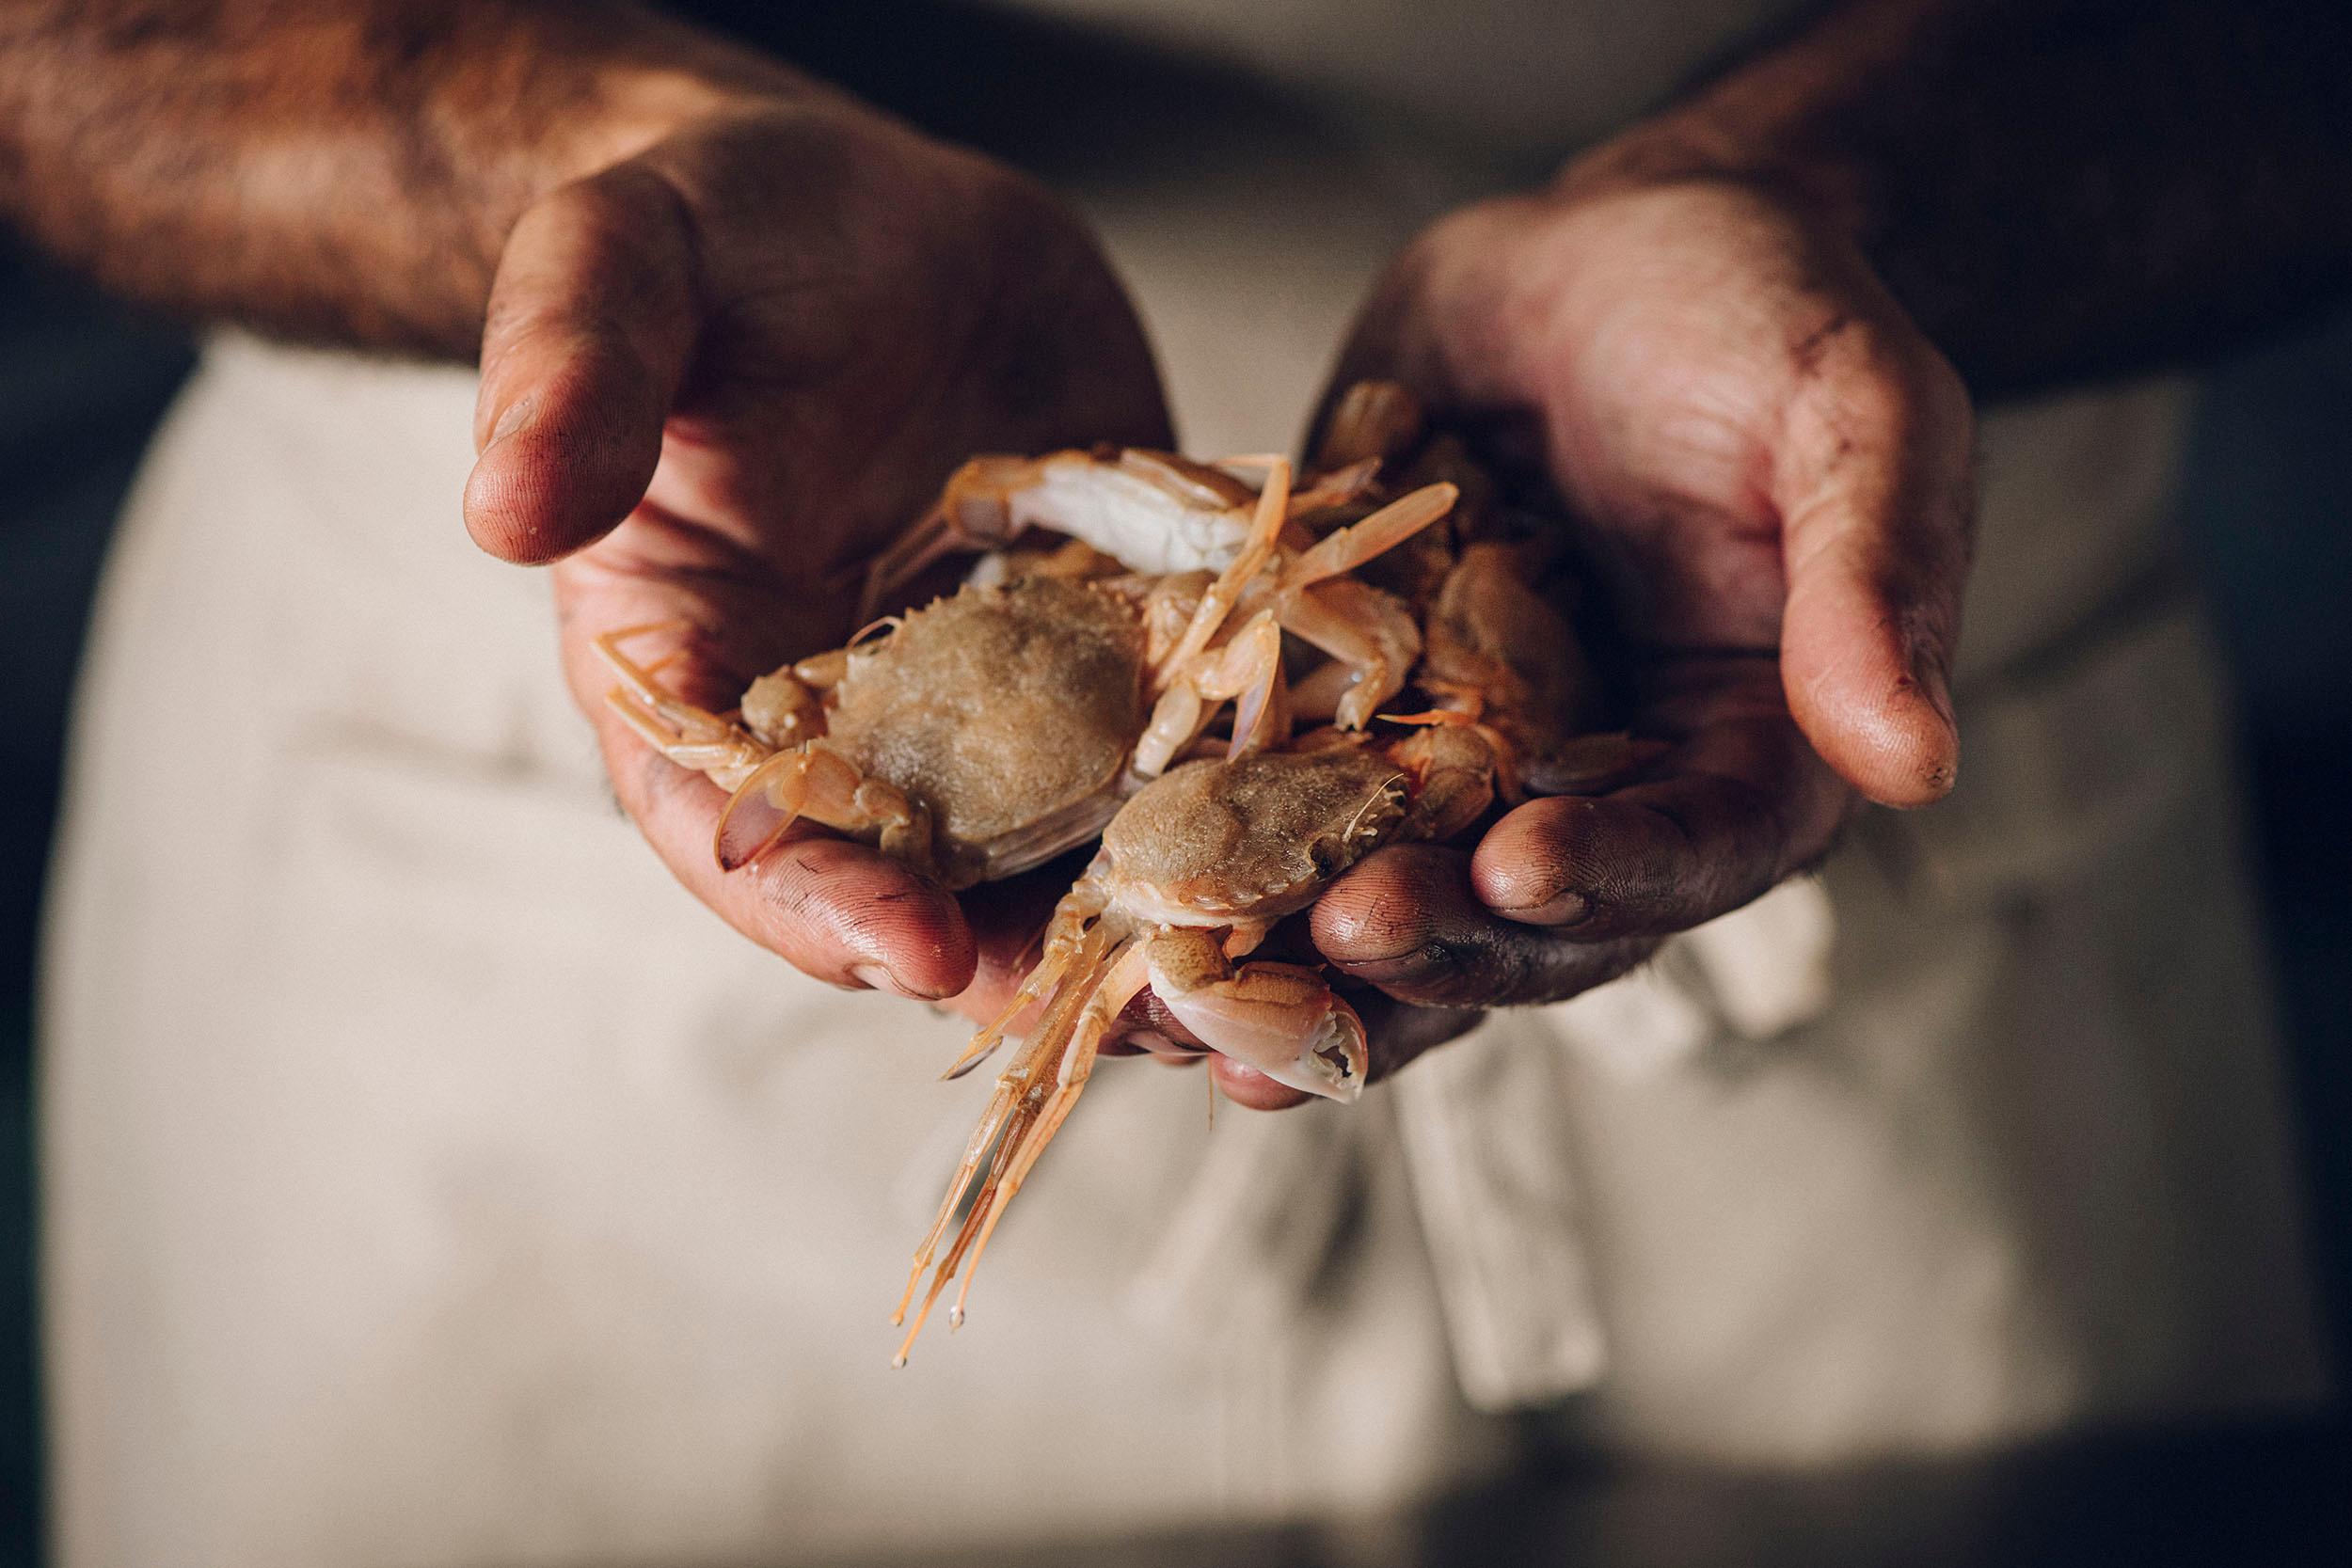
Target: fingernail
x=1928, y=675
x=1939, y=692
x=1413, y=967
x=1164, y=1049
x=877, y=977
x=517, y=414
x=1564, y=908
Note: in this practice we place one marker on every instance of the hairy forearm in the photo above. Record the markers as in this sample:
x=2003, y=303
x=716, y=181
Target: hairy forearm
x=2058, y=191
x=342, y=171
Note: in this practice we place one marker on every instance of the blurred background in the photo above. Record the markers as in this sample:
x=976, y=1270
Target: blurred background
x=2267, y=503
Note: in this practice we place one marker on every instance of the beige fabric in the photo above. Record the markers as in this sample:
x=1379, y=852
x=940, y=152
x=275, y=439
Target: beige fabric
x=431, y=1182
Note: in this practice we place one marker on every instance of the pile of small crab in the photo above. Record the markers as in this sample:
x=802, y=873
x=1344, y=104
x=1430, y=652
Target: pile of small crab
x=1203, y=665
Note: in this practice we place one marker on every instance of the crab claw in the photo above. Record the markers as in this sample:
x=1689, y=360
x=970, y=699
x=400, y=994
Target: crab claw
x=1280, y=1019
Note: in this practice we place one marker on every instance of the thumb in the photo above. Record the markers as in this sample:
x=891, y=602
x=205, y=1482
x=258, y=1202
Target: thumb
x=591, y=319
x=1876, y=509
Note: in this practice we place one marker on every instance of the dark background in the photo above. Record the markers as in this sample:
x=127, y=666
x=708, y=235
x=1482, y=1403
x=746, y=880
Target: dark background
x=2268, y=505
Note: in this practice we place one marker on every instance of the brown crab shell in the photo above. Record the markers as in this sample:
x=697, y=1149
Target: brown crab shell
x=1253, y=839
x=1009, y=710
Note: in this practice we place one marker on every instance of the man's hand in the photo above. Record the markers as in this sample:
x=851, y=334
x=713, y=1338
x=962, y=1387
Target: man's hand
x=1772, y=464
x=758, y=347
x=1696, y=331
x=725, y=302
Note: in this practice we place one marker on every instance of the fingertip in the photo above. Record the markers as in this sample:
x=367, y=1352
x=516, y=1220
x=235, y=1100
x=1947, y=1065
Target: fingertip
x=1862, y=663
x=1895, y=741
x=1405, y=924
x=1535, y=866
x=921, y=941
x=845, y=912
x=567, y=469
x=1919, y=754
x=590, y=324
x=504, y=515
x=1380, y=909
x=1253, y=1091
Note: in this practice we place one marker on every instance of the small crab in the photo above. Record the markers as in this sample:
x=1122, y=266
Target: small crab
x=1154, y=511
x=981, y=736
x=1501, y=656
x=994, y=728
x=1501, y=659
x=1193, y=873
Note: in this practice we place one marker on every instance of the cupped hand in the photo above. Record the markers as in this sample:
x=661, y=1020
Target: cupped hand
x=1771, y=465
x=720, y=376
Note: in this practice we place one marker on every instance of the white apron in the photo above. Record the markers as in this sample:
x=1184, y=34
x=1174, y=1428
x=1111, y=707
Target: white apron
x=430, y=1180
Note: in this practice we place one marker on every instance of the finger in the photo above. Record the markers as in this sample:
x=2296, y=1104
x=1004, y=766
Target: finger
x=1740, y=803
x=837, y=910
x=1873, y=490
x=1159, y=1048
x=1395, y=1032
x=1253, y=1091
x=1399, y=1032
x=1406, y=922
x=591, y=319
x=1008, y=921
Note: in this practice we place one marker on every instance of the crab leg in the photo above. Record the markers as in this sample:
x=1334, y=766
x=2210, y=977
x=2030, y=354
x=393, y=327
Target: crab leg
x=1335, y=489
x=974, y=513
x=1010, y=1109
x=727, y=758
x=1262, y=706
x=1039, y=983
x=1127, y=977
x=1369, y=632
x=688, y=735
x=1065, y=938
x=1250, y=669
x=821, y=785
x=692, y=723
x=1023, y=1091
x=1217, y=602
x=1345, y=550
x=1280, y=1019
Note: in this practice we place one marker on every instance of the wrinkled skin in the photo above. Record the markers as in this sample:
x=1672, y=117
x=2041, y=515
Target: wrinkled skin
x=1746, y=426
x=731, y=367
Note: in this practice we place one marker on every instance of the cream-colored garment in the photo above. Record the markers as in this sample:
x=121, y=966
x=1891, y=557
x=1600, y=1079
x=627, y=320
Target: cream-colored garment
x=431, y=1182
